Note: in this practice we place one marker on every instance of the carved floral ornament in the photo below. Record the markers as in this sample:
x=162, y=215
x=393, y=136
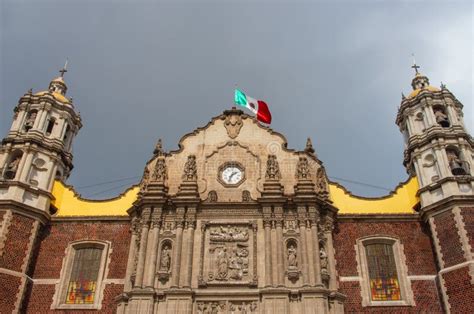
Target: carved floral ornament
x=190, y=169
x=233, y=123
x=303, y=169
x=273, y=169
x=159, y=172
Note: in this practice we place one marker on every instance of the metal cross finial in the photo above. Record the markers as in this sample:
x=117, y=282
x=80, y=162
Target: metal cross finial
x=414, y=66
x=64, y=69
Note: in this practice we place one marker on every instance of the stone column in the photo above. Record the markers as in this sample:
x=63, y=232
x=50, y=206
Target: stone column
x=330, y=253
x=25, y=169
x=279, y=247
x=151, y=259
x=273, y=246
x=135, y=228
x=177, y=247
x=268, y=253
x=304, y=249
x=189, y=257
x=314, y=242
x=143, y=245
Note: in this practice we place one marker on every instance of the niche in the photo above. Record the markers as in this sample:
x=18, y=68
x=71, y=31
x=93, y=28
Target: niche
x=164, y=266
x=37, y=170
x=292, y=260
x=30, y=120
x=458, y=166
x=11, y=167
x=50, y=126
x=441, y=116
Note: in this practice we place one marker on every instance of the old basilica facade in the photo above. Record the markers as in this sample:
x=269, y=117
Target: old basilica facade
x=234, y=221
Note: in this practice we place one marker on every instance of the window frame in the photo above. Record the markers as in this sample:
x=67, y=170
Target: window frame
x=59, y=299
x=406, y=293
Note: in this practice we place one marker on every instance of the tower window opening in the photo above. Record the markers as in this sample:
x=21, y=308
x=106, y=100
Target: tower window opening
x=30, y=120
x=49, y=128
x=441, y=117
x=458, y=166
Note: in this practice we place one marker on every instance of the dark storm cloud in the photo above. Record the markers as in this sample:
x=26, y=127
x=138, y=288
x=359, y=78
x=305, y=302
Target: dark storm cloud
x=143, y=70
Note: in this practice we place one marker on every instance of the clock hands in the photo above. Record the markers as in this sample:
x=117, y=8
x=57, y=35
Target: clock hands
x=232, y=174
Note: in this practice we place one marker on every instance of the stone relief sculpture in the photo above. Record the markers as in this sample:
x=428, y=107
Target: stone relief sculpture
x=229, y=255
x=292, y=261
x=309, y=146
x=159, y=149
x=190, y=169
x=323, y=257
x=273, y=169
x=159, y=172
x=212, y=197
x=233, y=123
x=246, y=196
x=302, y=169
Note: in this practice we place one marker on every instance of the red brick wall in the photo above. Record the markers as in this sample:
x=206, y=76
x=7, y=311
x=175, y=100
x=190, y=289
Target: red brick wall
x=52, y=248
x=467, y=214
x=16, y=243
x=460, y=291
x=51, y=252
x=426, y=301
x=448, y=237
x=42, y=296
x=419, y=255
x=8, y=292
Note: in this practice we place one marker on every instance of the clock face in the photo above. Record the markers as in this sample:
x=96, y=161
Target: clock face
x=232, y=175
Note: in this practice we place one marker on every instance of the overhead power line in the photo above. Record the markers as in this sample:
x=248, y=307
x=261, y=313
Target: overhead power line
x=361, y=183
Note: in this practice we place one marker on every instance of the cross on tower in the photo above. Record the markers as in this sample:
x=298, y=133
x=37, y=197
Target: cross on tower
x=414, y=66
x=64, y=69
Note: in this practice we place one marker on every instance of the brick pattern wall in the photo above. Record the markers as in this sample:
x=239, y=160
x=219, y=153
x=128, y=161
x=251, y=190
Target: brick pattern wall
x=459, y=290
x=41, y=298
x=467, y=214
x=449, y=240
x=416, y=242
x=16, y=243
x=419, y=255
x=8, y=292
x=426, y=301
x=51, y=251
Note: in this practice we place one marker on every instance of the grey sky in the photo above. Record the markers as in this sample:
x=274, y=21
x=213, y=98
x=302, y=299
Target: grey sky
x=143, y=70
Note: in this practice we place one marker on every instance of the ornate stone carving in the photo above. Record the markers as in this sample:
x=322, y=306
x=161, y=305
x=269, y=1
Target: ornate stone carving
x=302, y=169
x=159, y=172
x=159, y=149
x=145, y=180
x=292, y=261
x=232, y=307
x=309, y=147
x=30, y=120
x=190, y=169
x=213, y=307
x=273, y=169
x=228, y=254
x=212, y=197
x=321, y=184
x=12, y=168
x=323, y=257
x=165, y=262
x=243, y=307
x=246, y=196
x=233, y=123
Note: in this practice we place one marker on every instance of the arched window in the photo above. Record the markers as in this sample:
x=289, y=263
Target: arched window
x=458, y=166
x=384, y=275
x=441, y=116
x=11, y=166
x=50, y=126
x=82, y=275
x=30, y=120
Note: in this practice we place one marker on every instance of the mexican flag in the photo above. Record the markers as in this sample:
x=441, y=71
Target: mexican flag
x=258, y=107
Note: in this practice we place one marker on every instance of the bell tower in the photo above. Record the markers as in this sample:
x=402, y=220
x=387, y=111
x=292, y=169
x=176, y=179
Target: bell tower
x=35, y=152
x=439, y=152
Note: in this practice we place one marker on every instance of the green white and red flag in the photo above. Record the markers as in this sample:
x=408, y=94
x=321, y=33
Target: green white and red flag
x=258, y=107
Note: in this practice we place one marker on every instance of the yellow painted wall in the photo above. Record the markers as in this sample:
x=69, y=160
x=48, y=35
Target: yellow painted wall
x=69, y=203
x=401, y=201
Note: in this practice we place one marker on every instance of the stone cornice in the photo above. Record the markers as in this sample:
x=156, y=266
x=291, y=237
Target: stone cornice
x=22, y=209
x=444, y=204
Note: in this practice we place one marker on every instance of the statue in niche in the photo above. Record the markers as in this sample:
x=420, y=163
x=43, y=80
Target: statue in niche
x=30, y=120
x=12, y=168
x=190, y=169
x=292, y=260
x=323, y=257
x=321, y=185
x=222, y=264
x=159, y=172
x=441, y=117
x=246, y=196
x=212, y=196
x=273, y=169
x=165, y=262
x=302, y=169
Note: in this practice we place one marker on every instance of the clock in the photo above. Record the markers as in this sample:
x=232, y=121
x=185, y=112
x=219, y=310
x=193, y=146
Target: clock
x=231, y=174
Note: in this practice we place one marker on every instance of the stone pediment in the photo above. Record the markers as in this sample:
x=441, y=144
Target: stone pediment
x=233, y=139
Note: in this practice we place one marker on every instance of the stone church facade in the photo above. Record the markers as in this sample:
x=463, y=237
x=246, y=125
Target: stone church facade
x=234, y=221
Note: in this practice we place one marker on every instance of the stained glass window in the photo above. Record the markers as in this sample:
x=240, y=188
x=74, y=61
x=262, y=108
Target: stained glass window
x=383, y=277
x=84, y=273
